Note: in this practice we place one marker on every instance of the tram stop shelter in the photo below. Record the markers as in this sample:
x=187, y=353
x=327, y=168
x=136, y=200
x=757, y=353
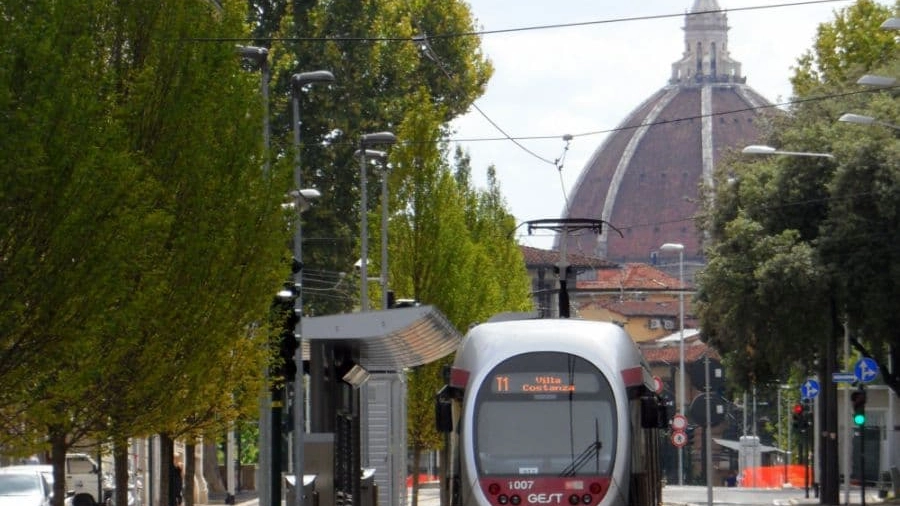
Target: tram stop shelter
x=357, y=400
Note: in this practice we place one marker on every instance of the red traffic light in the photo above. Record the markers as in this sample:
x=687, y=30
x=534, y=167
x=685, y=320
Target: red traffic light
x=798, y=409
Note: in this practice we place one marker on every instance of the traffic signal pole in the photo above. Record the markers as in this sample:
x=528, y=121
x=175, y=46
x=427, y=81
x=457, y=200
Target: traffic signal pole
x=275, y=483
x=858, y=399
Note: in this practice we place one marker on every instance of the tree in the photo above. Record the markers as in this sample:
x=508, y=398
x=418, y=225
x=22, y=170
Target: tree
x=451, y=246
x=378, y=71
x=802, y=246
x=140, y=240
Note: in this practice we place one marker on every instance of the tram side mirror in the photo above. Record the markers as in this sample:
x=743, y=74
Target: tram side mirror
x=663, y=415
x=654, y=414
x=443, y=415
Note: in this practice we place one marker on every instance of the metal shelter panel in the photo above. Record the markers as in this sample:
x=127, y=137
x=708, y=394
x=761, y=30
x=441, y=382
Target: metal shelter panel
x=388, y=340
x=385, y=435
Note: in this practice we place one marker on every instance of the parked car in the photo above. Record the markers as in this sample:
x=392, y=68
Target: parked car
x=46, y=471
x=24, y=487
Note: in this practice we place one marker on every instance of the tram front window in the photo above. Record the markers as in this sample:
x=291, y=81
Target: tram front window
x=545, y=414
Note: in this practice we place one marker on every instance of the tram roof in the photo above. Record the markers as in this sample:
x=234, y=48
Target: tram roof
x=391, y=339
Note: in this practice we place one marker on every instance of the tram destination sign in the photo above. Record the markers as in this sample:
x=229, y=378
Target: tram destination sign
x=544, y=382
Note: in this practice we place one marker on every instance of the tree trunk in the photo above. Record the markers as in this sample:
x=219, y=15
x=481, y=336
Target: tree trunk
x=211, y=468
x=190, y=463
x=417, y=460
x=166, y=465
x=58, y=449
x=829, y=482
x=120, y=471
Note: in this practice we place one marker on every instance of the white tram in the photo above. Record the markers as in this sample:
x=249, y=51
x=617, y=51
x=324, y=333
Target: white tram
x=550, y=412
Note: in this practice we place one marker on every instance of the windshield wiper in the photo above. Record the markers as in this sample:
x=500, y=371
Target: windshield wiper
x=592, y=451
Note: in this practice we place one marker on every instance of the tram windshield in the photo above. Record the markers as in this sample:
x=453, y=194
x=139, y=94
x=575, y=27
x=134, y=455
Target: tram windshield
x=545, y=413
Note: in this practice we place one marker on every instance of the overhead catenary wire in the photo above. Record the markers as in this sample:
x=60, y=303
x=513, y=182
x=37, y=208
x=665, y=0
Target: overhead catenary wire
x=480, y=33
x=418, y=39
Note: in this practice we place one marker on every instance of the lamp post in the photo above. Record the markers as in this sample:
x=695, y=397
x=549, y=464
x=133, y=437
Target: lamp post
x=260, y=57
x=364, y=141
x=671, y=247
x=381, y=157
x=298, y=81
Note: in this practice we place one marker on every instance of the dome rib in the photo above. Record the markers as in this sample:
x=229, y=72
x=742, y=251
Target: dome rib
x=644, y=177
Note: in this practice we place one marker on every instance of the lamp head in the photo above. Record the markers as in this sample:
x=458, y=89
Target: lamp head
x=856, y=118
x=260, y=55
x=876, y=81
x=302, y=199
x=672, y=246
x=373, y=154
x=377, y=138
x=316, y=76
x=757, y=149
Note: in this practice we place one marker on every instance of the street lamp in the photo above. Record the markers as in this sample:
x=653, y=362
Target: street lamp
x=865, y=120
x=381, y=157
x=672, y=247
x=364, y=141
x=301, y=196
x=260, y=57
x=769, y=150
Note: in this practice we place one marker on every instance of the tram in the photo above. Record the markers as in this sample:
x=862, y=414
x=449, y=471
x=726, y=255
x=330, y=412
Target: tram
x=550, y=412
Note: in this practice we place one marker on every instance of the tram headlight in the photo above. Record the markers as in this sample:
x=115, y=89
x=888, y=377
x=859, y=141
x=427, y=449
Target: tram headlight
x=574, y=499
x=503, y=499
x=515, y=499
x=586, y=498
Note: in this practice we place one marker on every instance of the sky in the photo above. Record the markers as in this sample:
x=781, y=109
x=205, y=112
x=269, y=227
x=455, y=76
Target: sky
x=583, y=80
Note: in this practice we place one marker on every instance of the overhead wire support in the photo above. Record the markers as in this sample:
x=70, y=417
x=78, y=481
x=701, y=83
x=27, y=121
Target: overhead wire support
x=565, y=226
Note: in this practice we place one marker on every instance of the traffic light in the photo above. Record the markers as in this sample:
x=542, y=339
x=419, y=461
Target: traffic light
x=858, y=399
x=287, y=340
x=690, y=431
x=798, y=416
x=807, y=414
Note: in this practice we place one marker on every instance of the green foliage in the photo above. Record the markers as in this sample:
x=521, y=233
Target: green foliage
x=797, y=241
x=450, y=247
x=140, y=240
x=378, y=72
x=845, y=48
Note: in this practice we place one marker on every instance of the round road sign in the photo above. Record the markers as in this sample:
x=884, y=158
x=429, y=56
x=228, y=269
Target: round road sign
x=657, y=384
x=679, y=438
x=679, y=422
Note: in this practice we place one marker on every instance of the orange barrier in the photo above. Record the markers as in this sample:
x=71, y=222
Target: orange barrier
x=774, y=476
x=423, y=478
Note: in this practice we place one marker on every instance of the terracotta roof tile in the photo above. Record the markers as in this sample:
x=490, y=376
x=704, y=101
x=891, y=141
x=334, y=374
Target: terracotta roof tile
x=655, y=352
x=535, y=257
x=632, y=276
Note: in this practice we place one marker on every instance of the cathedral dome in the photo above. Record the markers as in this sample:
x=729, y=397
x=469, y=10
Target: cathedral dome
x=644, y=178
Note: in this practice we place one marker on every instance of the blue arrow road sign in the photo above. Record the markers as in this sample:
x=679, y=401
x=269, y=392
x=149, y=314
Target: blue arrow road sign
x=866, y=370
x=810, y=389
x=843, y=377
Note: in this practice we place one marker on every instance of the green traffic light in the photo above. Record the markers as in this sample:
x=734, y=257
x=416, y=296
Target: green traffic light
x=859, y=419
